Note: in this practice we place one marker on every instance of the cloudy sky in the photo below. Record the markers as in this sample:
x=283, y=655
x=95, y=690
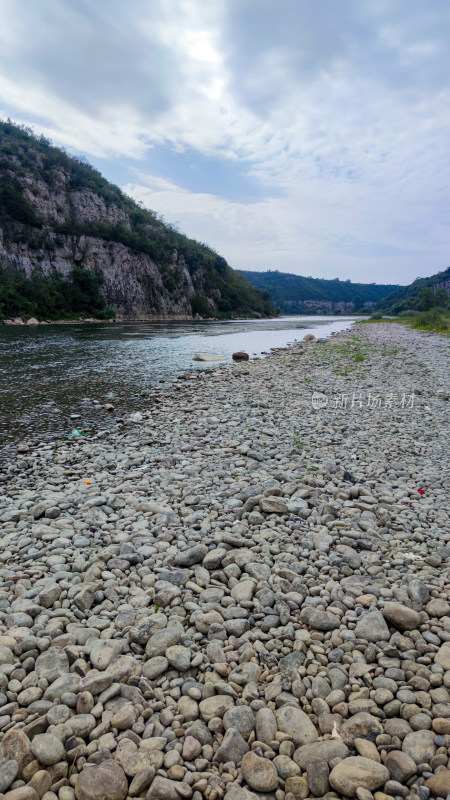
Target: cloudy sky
x=309, y=136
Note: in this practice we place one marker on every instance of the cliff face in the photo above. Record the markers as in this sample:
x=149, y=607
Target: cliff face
x=57, y=213
x=132, y=283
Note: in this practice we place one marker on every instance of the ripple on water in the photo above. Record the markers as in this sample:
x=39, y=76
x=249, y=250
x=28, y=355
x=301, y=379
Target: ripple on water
x=49, y=373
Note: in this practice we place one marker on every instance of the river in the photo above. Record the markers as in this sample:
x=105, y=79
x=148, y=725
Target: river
x=48, y=374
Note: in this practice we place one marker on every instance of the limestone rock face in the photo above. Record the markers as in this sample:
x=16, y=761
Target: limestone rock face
x=143, y=278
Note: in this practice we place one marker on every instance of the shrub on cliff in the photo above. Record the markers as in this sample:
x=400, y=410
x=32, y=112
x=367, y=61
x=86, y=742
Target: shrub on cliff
x=50, y=297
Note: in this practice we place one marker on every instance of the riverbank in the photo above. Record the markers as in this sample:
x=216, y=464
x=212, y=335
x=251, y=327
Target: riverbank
x=140, y=356
x=245, y=590
x=436, y=320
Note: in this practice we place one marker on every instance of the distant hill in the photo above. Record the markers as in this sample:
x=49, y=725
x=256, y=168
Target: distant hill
x=71, y=242
x=295, y=294
x=407, y=298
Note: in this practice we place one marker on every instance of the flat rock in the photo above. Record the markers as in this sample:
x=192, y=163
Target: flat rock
x=208, y=357
x=326, y=750
x=356, y=771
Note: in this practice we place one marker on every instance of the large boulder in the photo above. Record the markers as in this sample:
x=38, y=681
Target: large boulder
x=356, y=771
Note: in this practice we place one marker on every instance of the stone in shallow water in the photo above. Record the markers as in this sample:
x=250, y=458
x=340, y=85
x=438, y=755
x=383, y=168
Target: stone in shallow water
x=208, y=357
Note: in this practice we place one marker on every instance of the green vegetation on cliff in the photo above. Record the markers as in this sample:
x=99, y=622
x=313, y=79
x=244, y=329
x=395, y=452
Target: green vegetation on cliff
x=295, y=294
x=421, y=295
x=32, y=170
x=51, y=297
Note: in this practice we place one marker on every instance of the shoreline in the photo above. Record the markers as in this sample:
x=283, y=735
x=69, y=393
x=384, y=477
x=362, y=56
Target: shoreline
x=153, y=318
x=250, y=579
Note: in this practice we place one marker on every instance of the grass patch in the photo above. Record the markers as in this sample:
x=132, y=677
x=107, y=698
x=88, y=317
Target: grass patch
x=436, y=319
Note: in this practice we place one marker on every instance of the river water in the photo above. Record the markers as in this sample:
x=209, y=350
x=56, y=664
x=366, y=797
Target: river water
x=49, y=373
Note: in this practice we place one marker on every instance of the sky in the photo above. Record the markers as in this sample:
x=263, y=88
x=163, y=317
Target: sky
x=308, y=136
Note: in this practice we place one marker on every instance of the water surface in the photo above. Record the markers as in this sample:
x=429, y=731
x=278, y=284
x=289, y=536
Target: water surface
x=49, y=373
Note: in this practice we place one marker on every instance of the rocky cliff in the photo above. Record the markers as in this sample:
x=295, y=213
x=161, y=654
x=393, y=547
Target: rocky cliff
x=57, y=213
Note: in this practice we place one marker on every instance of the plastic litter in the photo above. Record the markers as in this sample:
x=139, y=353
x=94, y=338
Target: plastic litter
x=137, y=417
x=76, y=433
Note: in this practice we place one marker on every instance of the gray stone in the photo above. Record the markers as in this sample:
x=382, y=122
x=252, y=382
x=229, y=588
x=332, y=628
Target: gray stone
x=179, y=657
x=52, y=664
x=356, y=771
x=215, y=706
x=242, y=718
x=400, y=765
x=47, y=749
x=106, y=781
x=318, y=774
x=164, y=789
x=372, y=627
x=296, y=724
x=8, y=773
x=420, y=746
x=404, y=618
x=161, y=640
x=260, y=773
x=232, y=748
x=266, y=725
x=325, y=751
x=193, y=555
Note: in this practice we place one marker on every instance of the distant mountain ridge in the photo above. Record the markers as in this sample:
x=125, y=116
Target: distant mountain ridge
x=296, y=294
x=58, y=214
x=406, y=298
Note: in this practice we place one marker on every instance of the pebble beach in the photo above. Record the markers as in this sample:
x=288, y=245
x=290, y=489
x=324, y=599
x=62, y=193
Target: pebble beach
x=242, y=590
